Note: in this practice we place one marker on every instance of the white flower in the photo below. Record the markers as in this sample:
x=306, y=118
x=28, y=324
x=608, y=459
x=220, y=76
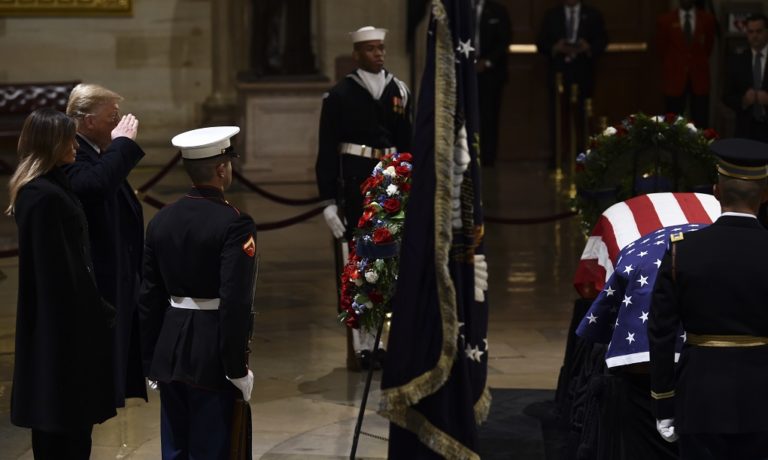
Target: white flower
x=658, y=119
x=390, y=171
x=609, y=131
x=391, y=188
x=691, y=126
x=371, y=277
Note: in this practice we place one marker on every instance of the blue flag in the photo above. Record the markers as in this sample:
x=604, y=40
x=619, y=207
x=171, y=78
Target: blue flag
x=434, y=381
x=619, y=314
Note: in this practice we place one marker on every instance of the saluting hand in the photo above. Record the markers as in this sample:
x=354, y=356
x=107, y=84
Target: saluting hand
x=127, y=127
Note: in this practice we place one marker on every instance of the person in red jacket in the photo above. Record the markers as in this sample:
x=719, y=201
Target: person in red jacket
x=685, y=38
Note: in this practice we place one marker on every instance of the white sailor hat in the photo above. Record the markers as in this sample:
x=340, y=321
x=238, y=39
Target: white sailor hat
x=204, y=143
x=368, y=33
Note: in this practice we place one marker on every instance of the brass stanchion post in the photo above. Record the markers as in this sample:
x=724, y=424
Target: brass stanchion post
x=574, y=142
x=559, y=126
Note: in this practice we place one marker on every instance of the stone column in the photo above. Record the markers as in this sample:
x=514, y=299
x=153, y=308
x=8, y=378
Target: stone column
x=220, y=108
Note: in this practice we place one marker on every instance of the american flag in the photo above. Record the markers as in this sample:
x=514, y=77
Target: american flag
x=619, y=314
x=629, y=220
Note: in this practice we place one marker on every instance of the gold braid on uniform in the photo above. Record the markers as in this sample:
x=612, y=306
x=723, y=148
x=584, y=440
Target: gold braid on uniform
x=396, y=402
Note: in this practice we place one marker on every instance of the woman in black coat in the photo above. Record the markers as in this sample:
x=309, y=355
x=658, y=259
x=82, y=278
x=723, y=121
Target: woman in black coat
x=62, y=379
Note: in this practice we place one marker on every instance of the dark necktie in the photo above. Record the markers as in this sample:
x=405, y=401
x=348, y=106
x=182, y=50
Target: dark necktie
x=757, y=83
x=687, y=28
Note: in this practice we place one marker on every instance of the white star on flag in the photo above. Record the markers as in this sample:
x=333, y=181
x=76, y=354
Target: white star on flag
x=643, y=317
x=642, y=253
x=592, y=318
x=609, y=291
x=627, y=300
x=657, y=263
x=465, y=48
x=660, y=242
x=643, y=280
x=684, y=336
x=630, y=337
x=628, y=269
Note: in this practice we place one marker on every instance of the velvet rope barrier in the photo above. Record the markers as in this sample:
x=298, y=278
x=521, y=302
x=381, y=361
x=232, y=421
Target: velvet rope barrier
x=530, y=221
x=272, y=196
x=162, y=173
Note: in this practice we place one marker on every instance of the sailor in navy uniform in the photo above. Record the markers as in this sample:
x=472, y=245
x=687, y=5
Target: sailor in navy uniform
x=364, y=116
x=195, y=302
x=715, y=283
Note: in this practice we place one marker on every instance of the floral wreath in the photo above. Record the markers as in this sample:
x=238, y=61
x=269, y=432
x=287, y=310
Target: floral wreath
x=642, y=154
x=370, y=275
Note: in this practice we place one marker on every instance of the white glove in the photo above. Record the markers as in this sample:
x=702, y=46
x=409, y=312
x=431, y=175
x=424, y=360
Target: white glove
x=331, y=214
x=666, y=429
x=152, y=384
x=244, y=384
x=481, y=277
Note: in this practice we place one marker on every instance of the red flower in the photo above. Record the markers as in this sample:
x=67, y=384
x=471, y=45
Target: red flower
x=402, y=170
x=376, y=297
x=391, y=205
x=621, y=131
x=710, y=134
x=367, y=185
x=670, y=118
x=632, y=119
x=405, y=157
x=365, y=219
x=405, y=187
x=351, y=320
x=382, y=235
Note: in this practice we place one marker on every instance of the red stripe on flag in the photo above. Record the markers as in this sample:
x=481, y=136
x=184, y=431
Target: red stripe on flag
x=692, y=208
x=609, y=238
x=646, y=219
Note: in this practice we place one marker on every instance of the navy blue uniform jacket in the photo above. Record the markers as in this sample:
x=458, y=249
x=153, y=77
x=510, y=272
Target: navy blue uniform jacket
x=116, y=227
x=200, y=247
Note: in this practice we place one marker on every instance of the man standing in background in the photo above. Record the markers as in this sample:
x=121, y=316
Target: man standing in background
x=492, y=37
x=106, y=154
x=685, y=38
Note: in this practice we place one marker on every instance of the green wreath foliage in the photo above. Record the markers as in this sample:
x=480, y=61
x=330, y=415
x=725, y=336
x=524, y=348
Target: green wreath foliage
x=643, y=154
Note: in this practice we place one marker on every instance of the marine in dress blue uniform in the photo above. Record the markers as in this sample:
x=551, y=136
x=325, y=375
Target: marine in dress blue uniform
x=715, y=284
x=195, y=303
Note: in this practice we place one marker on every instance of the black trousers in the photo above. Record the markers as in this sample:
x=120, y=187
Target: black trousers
x=74, y=445
x=714, y=446
x=489, y=88
x=698, y=105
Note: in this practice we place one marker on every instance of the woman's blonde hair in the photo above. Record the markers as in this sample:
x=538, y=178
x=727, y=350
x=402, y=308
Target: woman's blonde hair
x=45, y=137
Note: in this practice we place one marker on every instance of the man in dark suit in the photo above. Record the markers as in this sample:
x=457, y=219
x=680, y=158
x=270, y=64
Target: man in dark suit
x=195, y=303
x=571, y=37
x=364, y=116
x=747, y=91
x=713, y=282
x=492, y=37
x=106, y=154
x=685, y=38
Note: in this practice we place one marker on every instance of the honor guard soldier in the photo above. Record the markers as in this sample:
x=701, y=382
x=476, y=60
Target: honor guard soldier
x=365, y=116
x=195, y=303
x=715, y=284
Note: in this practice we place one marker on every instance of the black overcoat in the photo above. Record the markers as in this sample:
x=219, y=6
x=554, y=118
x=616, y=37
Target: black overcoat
x=204, y=248
x=116, y=225
x=62, y=378
x=740, y=79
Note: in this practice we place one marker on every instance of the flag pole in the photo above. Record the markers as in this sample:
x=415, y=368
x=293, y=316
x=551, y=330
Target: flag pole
x=367, y=389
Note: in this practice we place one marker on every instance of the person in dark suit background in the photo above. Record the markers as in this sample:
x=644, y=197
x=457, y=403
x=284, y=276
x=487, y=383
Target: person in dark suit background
x=492, y=37
x=713, y=282
x=62, y=372
x=572, y=36
x=106, y=154
x=747, y=91
x=685, y=38
x=195, y=302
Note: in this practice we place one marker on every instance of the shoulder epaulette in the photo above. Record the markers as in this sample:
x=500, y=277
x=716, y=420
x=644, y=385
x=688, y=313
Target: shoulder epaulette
x=675, y=237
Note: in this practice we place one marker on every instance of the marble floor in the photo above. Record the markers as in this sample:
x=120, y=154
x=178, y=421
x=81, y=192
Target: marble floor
x=304, y=400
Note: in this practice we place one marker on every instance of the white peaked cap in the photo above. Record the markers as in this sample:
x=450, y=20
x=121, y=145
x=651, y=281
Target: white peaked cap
x=368, y=33
x=204, y=142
